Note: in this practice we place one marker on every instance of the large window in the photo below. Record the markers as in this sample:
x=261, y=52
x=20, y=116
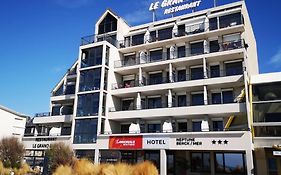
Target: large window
x=90, y=80
x=85, y=131
x=197, y=99
x=127, y=105
x=165, y=33
x=181, y=100
x=227, y=97
x=235, y=68
x=108, y=24
x=196, y=73
x=215, y=71
x=152, y=128
x=156, y=55
x=138, y=39
x=92, y=57
x=88, y=105
x=218, y=126
x=196, y=48
x=267, y=131
x=230, y=163
x=181, y=51
x=216, y=98
x=88, y=154
x=200, y=162
x=154, y=103
x=230, y=20
x=266, y=92
x=196, y=126
x=267, y=112
x=155, y=78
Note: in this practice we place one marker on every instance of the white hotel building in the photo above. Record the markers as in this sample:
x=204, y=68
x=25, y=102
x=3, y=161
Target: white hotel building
x=174, y=91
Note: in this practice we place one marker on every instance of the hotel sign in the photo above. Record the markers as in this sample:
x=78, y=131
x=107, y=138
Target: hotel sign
x=172, y=6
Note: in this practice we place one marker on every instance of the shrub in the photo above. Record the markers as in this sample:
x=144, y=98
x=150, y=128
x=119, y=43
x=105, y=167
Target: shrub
x=85, y=167
x=11, y=152
x=145, y=168
x=124, y=169
x=59, y=154
x=63, y=170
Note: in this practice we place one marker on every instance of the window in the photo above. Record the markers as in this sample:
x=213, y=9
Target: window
x=216, y=98
x=85, y=131
x=181, y=30
x=197, y=73
x=90, y=80
x=108, y=24
x=56, y=110
x=93, y=57
x=213, y=23
x=235, y=68
x=125, y=128
x=196, y=48
x=267, y=112
x=59, y=91
x=154, y=103
x=197, y=99
x=155, y=78
x=127, y=105
x=181, y=51
x=168, y=54
x=70, y=89
x=129, y=60
x=266, y=92
x=196, y=126
x=267, y=131
x=156, y=55
x=107, y=53
x=215, y=71
x=227, y=97
x=138, y=39
x=181, y=100
x=182, y=126
x=272, y=166
x=230, y=163
x=181, y=75
x=153, y=36
x=88, y=154
x=88, y=105
x=218, y=126
x=154, y=128
x=230, y=20
x=165, y=33
x=214, y=46
x=200, y=162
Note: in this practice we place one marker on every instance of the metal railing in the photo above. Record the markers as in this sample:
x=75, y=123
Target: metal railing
x=42, y=114
x=188, y=52
x=98, y=38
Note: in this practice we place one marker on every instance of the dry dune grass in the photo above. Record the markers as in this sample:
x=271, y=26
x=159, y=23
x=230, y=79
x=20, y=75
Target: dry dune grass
x=25, y=169
x=85, y=167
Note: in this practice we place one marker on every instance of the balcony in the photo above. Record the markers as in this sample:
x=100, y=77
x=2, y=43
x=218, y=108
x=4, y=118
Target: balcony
x=189, y=52
x=98, y=38
x=47, y=118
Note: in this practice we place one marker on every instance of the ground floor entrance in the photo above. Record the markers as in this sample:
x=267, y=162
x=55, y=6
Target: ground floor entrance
x=268, y=161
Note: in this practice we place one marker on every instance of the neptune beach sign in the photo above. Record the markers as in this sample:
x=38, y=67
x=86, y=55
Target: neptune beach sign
x=172, y=6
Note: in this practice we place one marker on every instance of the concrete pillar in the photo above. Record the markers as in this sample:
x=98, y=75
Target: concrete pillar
x=171, y=78
x=170, y=98
x=163, y=162
x=187, y=49
x=138, y=102
x=205, y=71
x=206, y=46
x=250, y=162
x=97, y=156
x=140, y=77
x=220, y=43
x=205, y=96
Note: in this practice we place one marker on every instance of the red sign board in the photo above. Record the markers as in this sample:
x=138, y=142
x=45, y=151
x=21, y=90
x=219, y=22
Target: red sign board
x=125, y=142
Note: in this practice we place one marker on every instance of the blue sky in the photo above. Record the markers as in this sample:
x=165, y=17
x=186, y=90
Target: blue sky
x=39, y=40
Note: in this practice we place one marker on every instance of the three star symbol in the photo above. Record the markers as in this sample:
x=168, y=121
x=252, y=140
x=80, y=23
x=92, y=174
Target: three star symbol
x=220, y=142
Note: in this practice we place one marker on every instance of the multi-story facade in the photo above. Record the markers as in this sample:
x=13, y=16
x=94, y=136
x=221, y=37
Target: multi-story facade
x=266, y=113
x=12, y=123
x=173, y=91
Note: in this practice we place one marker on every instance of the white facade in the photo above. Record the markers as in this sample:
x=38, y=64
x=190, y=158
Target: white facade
x=175, y=89
x=12, y=123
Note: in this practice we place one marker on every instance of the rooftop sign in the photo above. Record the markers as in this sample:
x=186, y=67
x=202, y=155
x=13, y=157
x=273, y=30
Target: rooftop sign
x=172, y=6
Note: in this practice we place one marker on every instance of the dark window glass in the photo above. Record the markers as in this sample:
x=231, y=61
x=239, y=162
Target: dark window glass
x=233, y=68
x=92, y=57
x=56, y=110
x=196, y=126
x=67, y=110
x=129, y=60
x=197, y=99
x=153, y=36
x=59, y=91
x=200, y=162
x=88, y=105
x=154, y=128
x=214, y=46
x=125, y=128
x=154, y=157
x=272, y=166
x=267, y=131
x=87, y=154
x=70, y=89
x=127, y=105
x=213, y=22
x=154, y=103
x=66, y=130
x=182, y=126
x=218, y=126
x=107, y=55
x=181, y=100
x=181, y=30
x=181, y=75
x=227, y=97
x=105, y=78
x=168, y=54
x=266, y=92
x=155, y=78
x=215, y=71
x=267, y=112
x=138, y=39
x=197, y=73
x=90, y=80
x=108, y=24
x=85, y=131
x=216, y=98
x=230, y=20
x=165, y=34
x=181, y=51
x=196, y=48
x=156, y=55
x=230, y=163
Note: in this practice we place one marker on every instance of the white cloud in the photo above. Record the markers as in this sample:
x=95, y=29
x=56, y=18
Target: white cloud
x=276, y=59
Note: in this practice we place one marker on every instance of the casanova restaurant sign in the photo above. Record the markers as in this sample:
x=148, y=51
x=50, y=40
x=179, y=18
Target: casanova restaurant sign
x=172, y=6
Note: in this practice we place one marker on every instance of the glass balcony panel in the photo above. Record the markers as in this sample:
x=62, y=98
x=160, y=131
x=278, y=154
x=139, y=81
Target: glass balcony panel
x=267, y=112
x=92, y=57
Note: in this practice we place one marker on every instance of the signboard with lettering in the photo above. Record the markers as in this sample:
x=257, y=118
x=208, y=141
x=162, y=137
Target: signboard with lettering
x=172, y=6
x=153, y=142
x=43, y=142
x=125, y=142
x=277, y=153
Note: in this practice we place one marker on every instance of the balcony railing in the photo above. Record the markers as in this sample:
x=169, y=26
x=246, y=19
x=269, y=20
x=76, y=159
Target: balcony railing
x=42, y=114
x=98, y=38
x=188, y=52
x=181, y=78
